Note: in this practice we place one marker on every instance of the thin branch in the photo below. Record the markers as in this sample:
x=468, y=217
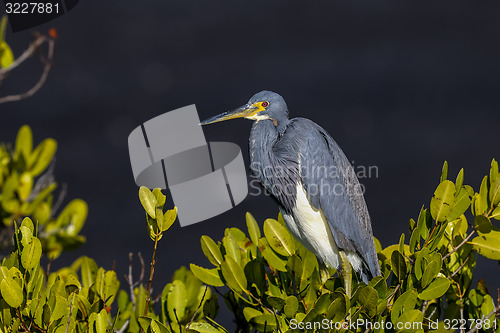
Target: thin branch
x=393, y=294
x=459, y=245
x=70, y=310
x=124, y=327
x=458, y=269
x=22, y=320
x=151, y=273
x=143, y=268
x=129, y=279
x=424, y=307
x=39, y=40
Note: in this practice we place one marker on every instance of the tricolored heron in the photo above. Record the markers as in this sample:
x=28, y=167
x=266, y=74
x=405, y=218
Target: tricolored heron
x=312, y=181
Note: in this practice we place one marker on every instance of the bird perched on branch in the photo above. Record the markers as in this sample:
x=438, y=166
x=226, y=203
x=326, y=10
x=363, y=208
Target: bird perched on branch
x=312, y=181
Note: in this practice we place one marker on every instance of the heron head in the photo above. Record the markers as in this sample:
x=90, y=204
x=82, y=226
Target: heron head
x=262, y=105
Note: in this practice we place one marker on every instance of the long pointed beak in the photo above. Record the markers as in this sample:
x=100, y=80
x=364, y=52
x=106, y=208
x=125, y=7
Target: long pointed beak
x=241, y=112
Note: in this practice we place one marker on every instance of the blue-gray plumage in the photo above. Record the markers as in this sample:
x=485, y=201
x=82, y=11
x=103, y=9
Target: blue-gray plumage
x=312, y=181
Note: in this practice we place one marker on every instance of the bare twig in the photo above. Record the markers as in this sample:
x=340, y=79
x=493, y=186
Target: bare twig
x=143, y=266
x=393, y=294
x=458, y=269
x=47, y=61
x=39, y=40
x=22, y=320
x=424, y=306
x=151, y=273
x=70, y=310
x=124, y=327
x=459, y=245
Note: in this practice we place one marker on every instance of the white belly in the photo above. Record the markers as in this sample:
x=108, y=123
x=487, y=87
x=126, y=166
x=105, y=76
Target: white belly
x=310, y=226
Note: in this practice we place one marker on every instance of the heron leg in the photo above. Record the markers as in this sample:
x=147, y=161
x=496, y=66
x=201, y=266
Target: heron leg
x=346, y=274
x=324, y=273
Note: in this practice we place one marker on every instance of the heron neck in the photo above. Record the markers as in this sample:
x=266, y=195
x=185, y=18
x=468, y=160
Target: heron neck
x=262, y=138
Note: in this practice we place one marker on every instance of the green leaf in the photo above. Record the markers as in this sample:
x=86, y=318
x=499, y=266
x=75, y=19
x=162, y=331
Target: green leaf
x=42, y=156
x=26, y=235
x=88, y=271
x=72, y=217
x=253, y=228
x=444, y=172
x=177, y=299
x=276, y=302
x=256, y=275
x=207, y=276
x=12, y=293
x=203, y=327
x=424, y=223
x=430, y=273
x=249, y=313
x=25, y=185
x=398, y=263
x=279, y=237
x=378, y=283
x=338, y=309
x=267, y=321
x=234, y=274
x=413, y=317
x=148, y=201
x=496, y=213
x=368, y=298
x=231, y=247
x=291, y=306
x=169, y=219
x=462, y=203
x=443, y=200
x=24, y=140
x=402, y=243
x=101, y=321
x=140, y=300
x=272, y=258
x=493, y=170
x=495, y=192
x=3, y=27
x=211, y=250
x=160, y=197
x=414, y=239
x=29, y=224
x=31, y=254
x=6, y=55
x=404, y=303
x=58, y=305
x=487, y=245
x=481, y=200
x=460, y=180
x=309, y=264
x=436, y=289
x=484, y=225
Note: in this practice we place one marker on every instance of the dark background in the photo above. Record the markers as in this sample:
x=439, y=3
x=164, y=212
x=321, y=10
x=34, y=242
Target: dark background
x=400, y=85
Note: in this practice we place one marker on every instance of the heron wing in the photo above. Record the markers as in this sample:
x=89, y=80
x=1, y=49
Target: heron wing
x=331, y=185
